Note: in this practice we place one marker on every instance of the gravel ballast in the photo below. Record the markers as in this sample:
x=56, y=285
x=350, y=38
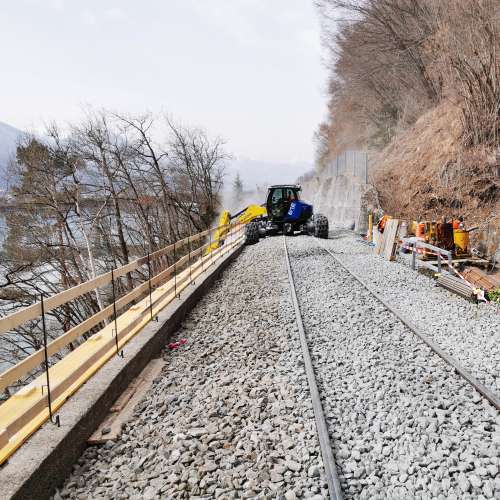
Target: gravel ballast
x=402, y=423
x=469, y=332
x=230, y=416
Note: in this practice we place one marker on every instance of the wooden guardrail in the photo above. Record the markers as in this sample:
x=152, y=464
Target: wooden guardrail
x=26, y=410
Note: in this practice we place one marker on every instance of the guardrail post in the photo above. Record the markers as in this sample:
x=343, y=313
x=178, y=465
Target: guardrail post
x=414, y=255
x=115, y=316
x=46, y=356
x=150, y=290
x=439, y=263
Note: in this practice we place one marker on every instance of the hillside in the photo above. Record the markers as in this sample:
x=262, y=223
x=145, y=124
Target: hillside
x=426, y=172
x=416, y=84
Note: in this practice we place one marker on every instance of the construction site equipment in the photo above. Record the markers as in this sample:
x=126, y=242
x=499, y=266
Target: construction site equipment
x=26, y=410
x=220, y=233
x=461, y=240
x=284, y=213
x=445, y=235
x=250, y=213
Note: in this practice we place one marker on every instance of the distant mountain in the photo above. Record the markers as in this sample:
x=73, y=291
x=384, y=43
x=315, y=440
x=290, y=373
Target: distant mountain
x=264, y=173
x=9, y=137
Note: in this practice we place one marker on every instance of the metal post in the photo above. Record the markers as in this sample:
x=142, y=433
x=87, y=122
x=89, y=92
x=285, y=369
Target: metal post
x=46, y=355
x=439, y=263
x=114, y=313
x=414, y=255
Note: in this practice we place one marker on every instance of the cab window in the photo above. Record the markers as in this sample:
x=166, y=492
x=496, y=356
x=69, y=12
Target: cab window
x=291, y=195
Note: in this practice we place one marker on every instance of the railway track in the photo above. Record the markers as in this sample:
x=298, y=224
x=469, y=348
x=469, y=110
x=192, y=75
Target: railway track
x=397, y=417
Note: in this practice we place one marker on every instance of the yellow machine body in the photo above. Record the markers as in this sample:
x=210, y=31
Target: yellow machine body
x=251, y=213
x=461, y=240
x=248, y=215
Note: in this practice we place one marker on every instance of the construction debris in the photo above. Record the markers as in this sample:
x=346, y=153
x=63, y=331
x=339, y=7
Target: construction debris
x=480, y=279
x=123, y=408
x=386, y=244
x=448, y=242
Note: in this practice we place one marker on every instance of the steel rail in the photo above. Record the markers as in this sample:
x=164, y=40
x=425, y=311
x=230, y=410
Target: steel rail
x=324, y=439
x=478, y=386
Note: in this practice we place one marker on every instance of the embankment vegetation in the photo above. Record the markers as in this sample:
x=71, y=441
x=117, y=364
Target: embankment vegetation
x=416, y=82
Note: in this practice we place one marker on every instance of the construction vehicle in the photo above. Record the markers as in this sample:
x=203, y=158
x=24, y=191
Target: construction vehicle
x=284, y=212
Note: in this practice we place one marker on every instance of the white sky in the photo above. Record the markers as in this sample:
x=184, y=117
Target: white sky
x=248, y=70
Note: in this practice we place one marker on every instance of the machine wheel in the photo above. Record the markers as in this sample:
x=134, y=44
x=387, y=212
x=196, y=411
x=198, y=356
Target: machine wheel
x=288, y=229
x=320, y=226
x=251, y=233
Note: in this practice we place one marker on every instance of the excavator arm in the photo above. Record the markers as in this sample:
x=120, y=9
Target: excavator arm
x=244, y=216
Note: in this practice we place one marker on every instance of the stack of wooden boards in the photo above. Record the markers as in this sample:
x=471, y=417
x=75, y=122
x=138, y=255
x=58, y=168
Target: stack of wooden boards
x=480, y=279
x=386, y=244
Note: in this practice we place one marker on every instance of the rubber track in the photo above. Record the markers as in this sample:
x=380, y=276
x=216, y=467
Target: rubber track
x=481, y=388
x=332, y=478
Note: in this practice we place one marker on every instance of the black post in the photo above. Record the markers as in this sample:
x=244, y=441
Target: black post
x=46, y=353
x=114, y=312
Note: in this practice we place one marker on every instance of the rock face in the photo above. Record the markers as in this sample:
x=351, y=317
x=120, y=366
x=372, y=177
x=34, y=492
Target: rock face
x=344, y=199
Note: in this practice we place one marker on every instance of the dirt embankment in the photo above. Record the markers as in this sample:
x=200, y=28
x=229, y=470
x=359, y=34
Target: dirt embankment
x=426, y=173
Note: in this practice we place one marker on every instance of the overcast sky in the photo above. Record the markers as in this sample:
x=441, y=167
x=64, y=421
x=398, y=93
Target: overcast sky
x=248, y=70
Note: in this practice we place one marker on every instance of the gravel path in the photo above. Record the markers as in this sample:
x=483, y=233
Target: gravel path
x=402, y=422
x=230, y=416
x=469, y=332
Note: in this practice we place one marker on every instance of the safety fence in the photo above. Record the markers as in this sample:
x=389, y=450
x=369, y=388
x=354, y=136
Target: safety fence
x=26, y=410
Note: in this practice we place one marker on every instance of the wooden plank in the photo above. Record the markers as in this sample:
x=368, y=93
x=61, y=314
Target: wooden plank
x=4, y=438
x=15, y=373
x=380, y=243
x=18, y=318
x=123, y=409
x=390, y=232
x=480, y=279
x=22, y=368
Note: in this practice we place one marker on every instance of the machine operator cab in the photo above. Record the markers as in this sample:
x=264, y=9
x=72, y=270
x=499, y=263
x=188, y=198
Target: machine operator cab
x=285, y=211
x=279, y=200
